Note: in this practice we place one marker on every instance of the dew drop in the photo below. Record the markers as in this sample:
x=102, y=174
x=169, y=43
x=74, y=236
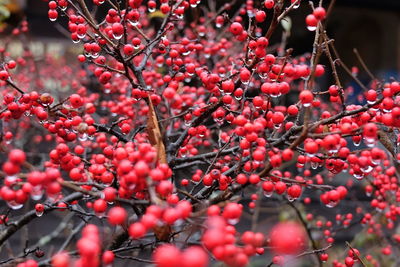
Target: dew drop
x=39, y=213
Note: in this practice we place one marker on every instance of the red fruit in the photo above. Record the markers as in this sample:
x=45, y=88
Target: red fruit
x=4, y=75
x=311, y=21
x=260, y=16
x=232, y=211
x=349, y=261
x=194, y=257
x=137, y=230
x=108, y=257
x=319, y=13
x=100, y=206
x=39, y=207
x=17, y=156
x=306, y=97
x=117, y=215
x=167, y=256
x=287, y=238
x=236, y=28
x=269, y=4
x=76, y=100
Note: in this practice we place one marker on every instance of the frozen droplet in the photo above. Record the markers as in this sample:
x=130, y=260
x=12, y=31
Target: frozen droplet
x=14, y=205
x=296, y=6
x=358, y=176
x=83, y=137
x=202, y=34
x=117, y=36
x=357, y=143
x=306, y=105
x=290, y=198
x=39, y=213
x=151, y=10
x=268, y=193
x=81, y=36
x=370, y=142
x=367, y=169
x=201, y=135
x=186, y=53
x=11, y=179
x=133, y=22
x=63, y=8
x=218, y=25
x=314, y=165
x=277, y=126
x=75, y=41
x=95, y=55
x=311, y=28
x=370, y=102
x=233, y=221
x=219, y=121
x=53, y=19
x=37, y=192
x=332, y=204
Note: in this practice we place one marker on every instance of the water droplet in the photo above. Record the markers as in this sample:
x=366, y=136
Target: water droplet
x=219, y=121
x=39, y=213
x=332, y=204
x=367, y=169
x=133, y=22
x=75, y=41
x=11, y=179
x=83, y=137
x=311, y=28
x=314, y=165
x=357, y=143
x=218, y=25
x=151, y=10
x=53, y=19
x=14, y=205
x=63, y=8
x=268, y=193
x=358, y=176
x=81, y=36
x=296, y=6
x=233, y=221
x=117, y=36
x=290, y=198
